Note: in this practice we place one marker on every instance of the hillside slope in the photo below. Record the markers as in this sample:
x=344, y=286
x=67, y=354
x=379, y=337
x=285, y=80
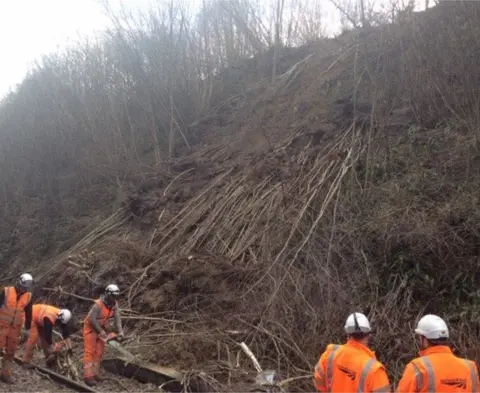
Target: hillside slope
x=350, y=183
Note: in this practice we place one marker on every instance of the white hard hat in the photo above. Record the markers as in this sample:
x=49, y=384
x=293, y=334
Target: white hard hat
x=64, y=316
x=357, y=323
x=26, y=281
x=112, y=289
x=432, y=327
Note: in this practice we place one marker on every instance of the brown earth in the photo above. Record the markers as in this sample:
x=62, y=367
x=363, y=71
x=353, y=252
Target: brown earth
x=31, y=381
x=34, y=381
x=351, y=183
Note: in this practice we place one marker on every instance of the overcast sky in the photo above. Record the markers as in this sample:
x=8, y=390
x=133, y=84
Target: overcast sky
x=30, y=28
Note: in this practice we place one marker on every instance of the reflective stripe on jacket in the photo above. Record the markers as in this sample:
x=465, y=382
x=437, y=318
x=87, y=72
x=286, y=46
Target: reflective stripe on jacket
x=439, y=370
x=41, y=311
x=350, y=368
x=12, y=312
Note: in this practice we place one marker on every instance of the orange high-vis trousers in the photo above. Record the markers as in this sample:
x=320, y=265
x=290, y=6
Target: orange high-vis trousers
x=37, y=334
x=9, y=340
x=94, y=347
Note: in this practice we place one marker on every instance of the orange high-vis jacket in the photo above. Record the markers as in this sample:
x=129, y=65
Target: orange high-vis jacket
x=12, y=312
x=352, y=368
x=439, y=370
x=106, y=313
x=41, y=311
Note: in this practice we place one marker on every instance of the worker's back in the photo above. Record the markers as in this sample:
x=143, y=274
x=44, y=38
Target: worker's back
x=439, y=370
x=350, y=368
x=41, y=311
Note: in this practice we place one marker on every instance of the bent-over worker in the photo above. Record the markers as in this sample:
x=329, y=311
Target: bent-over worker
x=351, y=367
x=437, y=369
x=95, y=332
x=44, y=319
x=16, y=306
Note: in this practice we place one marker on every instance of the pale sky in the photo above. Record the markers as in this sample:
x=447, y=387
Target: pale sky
x=31, y=28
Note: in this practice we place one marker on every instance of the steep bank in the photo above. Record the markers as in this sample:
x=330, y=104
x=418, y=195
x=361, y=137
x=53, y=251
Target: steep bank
x=351, y=182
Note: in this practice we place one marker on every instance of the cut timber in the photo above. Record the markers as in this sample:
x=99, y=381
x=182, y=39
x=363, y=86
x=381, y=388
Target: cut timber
x=170, y=379
x=79, y=387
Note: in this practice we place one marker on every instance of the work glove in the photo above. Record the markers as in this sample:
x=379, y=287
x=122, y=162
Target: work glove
x=103, y=335
x=64, y=345
x=112, y=336
x=59, y=347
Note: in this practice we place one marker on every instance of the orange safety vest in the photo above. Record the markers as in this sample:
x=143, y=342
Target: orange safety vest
x=42, y=311
x=350, y=368
x=12, y=312
x=439, y=370
x=105, y=314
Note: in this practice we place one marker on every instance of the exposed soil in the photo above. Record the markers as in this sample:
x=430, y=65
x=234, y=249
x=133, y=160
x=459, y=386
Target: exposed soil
x=35, y=381
x=32, y=381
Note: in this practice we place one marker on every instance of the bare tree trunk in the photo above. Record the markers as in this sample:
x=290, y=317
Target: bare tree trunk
x=362, y=13
x=277, y=43
x=171, y=135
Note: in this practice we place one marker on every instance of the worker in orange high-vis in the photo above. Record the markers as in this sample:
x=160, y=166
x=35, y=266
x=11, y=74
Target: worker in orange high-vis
x=437, y=369
x=95, y=332
x=45, y=318
x=16, y=306
x=351, y=367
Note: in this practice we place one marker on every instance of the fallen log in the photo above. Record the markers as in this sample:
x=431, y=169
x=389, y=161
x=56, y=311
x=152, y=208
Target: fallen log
x=169, y=379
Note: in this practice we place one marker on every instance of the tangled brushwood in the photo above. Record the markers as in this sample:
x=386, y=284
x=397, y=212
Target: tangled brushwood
x=350, y=182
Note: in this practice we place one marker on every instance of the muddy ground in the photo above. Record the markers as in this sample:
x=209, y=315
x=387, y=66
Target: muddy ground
x=35, y=381
x=32, y=381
